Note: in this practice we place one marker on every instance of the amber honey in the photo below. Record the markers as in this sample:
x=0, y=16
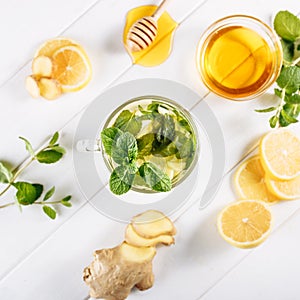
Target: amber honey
x=161, y=48
x=237, y=59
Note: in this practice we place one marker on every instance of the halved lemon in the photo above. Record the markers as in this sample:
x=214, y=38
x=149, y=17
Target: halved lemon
x=249, y=181
x=286, y=190
x=72, y=68
x=280, y=154
x=245, y=224
x=51, y=46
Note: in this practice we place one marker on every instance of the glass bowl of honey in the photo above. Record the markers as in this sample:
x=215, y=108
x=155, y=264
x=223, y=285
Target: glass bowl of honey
x=239, y=57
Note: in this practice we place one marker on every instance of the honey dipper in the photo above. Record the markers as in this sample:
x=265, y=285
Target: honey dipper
x=144, y=31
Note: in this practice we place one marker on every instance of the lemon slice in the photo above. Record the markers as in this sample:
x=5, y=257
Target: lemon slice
x=159, y=161
x=280, y=154
x=286, y=190
x=249, y=181
x=51, y=46
x=245, y=224
x=175, y=165
x=72, y=68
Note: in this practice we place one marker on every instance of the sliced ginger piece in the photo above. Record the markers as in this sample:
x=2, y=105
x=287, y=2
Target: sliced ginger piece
x=32, y=86
x=136, y=254
x=132, y=238
x=42, y=66
x=152, y=223
x=49, y=88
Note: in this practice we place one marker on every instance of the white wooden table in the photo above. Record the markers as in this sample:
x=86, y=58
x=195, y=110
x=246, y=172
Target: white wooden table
x=44, y=259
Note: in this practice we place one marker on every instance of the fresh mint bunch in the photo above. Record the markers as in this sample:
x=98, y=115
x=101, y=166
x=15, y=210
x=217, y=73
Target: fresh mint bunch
x=124, y=152
x=29, y=193
x=287, y=26
x=120, y=143
x=165, y=135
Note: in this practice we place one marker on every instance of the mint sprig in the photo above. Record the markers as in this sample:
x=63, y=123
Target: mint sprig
x=287, y=26
x=29, y=193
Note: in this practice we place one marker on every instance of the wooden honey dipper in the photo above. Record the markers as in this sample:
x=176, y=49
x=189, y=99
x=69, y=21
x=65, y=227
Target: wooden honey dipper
x=144, y=31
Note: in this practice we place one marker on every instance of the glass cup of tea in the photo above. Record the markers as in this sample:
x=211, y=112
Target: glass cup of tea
x=166, y=136
x=239, y=57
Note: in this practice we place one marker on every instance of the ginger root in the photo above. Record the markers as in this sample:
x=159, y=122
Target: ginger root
x=114, y=272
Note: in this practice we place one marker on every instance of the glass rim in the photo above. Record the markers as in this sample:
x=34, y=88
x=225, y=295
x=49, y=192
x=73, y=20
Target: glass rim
x=170, y=102
x=231, y=20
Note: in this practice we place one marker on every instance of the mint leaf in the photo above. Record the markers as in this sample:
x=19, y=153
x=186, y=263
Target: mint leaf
x=288, y=50
x=58, y=149
x=291, y=110
x=153, y=107
x=121, y=180
x=182, y=121
x=142, y=110
x=266, y=110
x=278, y=92
x=132, y=168
x=293, y=99
x=49, y=194
x=38, y=190
x=5, y=174
x=155, y=178
x=164, y=127
x=49, y=211
x=288, y=118
x=67, y=198
x=27, y=193
x=49, y=156
x=125, y=149
x=164, y=150
x=127, y=122
x=289, y=79
x=109, y=137
x=144, y=144
x=273, y=121
x=54, y=139
x=287, y=26
x=28, y=146
x=66, y=203
x=184, y=144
